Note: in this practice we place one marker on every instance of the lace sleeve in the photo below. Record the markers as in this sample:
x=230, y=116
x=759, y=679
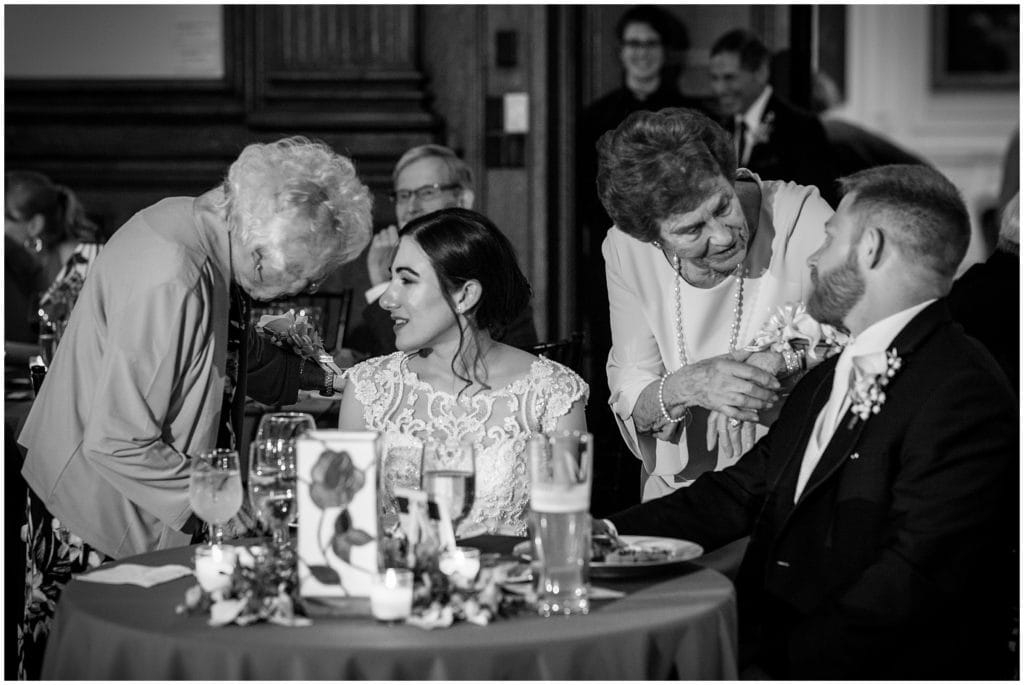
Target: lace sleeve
x=375, y=382
x=559, y=388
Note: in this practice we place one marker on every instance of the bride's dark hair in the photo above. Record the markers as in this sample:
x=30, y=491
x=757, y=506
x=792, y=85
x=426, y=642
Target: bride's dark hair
x=463, y=245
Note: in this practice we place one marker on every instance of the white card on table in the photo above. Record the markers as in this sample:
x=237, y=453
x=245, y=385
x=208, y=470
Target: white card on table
x=337, y=506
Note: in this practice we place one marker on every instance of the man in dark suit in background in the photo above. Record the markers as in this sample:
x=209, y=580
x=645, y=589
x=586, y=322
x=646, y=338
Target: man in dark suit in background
x=882, y=504
x=774, y=139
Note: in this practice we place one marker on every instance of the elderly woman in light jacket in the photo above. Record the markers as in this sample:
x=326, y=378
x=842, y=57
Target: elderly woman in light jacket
x=146, y=375
x=701, y=255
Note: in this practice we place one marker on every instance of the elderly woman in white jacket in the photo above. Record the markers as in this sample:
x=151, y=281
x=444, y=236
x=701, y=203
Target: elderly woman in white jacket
x=701, y=255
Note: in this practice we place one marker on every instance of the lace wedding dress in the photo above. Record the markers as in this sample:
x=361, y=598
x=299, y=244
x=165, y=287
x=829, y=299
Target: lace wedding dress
x=408, y=411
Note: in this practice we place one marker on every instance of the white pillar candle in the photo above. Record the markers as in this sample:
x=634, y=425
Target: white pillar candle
x=214, y=566
x=391, y=595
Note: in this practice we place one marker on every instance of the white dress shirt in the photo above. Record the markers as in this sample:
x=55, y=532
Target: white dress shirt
x=752, y=120
x=875, y=338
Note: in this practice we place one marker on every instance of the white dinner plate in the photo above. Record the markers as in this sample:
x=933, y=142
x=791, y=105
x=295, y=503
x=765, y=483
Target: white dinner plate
x=679, y=552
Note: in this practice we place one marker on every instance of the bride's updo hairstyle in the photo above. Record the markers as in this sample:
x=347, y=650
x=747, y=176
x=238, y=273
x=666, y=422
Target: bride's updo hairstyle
x=463, y=245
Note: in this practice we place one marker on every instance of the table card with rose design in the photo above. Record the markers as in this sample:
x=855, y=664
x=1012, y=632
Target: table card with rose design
x=337, y=510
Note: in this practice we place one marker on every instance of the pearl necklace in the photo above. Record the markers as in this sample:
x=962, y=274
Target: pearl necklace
x=737, y=310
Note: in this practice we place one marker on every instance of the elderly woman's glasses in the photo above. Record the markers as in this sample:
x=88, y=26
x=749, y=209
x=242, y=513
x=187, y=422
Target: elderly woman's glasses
x=423, y=193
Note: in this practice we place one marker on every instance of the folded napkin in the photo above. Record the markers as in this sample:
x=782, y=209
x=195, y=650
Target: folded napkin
x=136, y=574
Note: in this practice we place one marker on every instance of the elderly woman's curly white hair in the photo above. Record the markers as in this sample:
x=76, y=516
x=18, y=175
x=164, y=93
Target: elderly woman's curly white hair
x=296, y=174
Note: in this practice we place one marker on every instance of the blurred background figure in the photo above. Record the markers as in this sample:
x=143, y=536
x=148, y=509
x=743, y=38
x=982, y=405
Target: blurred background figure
x=854, y=147
x=985, y=299
x=652, y=42
x=50, y=245
x=425, y=179
x=773, y=138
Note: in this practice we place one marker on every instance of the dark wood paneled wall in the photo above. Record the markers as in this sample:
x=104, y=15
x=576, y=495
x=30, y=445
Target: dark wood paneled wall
x=348, y=75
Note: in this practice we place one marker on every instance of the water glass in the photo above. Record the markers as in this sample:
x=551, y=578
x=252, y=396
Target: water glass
x=272, y=485
x=449, y=475
x=561, y=473
x=215, y=489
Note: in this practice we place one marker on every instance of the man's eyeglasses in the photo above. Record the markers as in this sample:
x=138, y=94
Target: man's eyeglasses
x=641, y=44
x=423, y=193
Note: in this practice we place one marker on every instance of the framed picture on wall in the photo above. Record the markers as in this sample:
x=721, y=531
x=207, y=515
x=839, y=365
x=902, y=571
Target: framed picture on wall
x=975, y=47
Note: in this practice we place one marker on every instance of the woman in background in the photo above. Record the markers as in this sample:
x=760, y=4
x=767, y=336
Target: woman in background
x=454, y=284
x=51, y=246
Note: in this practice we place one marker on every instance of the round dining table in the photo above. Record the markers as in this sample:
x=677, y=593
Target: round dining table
x=680, y=624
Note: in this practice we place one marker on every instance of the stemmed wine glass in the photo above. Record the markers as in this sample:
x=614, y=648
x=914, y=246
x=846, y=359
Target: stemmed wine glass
x=215, y=489
x=284, y=425
x=277, y=431
x=272, y=485
x=449, y=476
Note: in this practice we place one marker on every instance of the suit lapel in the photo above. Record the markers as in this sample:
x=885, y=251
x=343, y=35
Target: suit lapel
x=850, y=427
x=784, y=485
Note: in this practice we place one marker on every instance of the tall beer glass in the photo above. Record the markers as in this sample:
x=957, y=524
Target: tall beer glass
x=561, y=472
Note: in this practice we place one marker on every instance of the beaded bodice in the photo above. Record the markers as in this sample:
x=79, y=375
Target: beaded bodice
x=409, y=411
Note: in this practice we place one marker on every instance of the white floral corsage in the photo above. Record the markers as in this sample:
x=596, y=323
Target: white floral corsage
x=871, y=373
x=792, y=328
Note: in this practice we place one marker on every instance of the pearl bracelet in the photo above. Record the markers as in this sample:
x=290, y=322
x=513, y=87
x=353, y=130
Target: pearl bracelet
x=664, y=411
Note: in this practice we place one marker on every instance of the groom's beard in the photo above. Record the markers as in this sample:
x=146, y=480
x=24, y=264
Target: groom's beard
x=836, y=292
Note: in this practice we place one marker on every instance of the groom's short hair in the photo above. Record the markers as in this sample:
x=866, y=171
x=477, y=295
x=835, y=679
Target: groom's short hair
x=923, y=210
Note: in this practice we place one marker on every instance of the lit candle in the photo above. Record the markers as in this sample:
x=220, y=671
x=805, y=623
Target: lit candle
x=463, y=562
x=391, y=595
x=214, y=566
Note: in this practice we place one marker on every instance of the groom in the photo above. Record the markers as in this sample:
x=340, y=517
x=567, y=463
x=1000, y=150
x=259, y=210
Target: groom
x=880, y=523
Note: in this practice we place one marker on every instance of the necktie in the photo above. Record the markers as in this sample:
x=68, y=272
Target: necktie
x=836, y=400
x=233, y=404
x=740, y=139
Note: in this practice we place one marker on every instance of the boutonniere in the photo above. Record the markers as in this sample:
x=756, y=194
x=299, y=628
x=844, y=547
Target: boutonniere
x=763, y=132
x=871, y=373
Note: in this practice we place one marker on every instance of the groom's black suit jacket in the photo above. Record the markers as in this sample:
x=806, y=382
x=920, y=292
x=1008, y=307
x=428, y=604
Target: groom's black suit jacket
x=895, y=561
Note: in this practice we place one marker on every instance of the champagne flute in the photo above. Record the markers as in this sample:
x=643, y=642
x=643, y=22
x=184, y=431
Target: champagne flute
x=449, y=476
x=272, y=485
x=215, y=489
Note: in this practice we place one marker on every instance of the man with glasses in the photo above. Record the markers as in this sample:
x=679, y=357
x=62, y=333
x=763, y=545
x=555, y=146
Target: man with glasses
x=426, y=178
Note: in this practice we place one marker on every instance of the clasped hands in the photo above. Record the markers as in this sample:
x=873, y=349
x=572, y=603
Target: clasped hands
x=734, y=388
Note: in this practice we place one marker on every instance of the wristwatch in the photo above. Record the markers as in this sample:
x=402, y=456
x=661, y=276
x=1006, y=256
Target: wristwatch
x=328, y=389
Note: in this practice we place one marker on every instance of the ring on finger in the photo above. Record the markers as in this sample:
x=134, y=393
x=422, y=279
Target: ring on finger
x=733, y=423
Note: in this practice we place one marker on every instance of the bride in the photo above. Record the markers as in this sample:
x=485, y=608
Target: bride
x=455, y=282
